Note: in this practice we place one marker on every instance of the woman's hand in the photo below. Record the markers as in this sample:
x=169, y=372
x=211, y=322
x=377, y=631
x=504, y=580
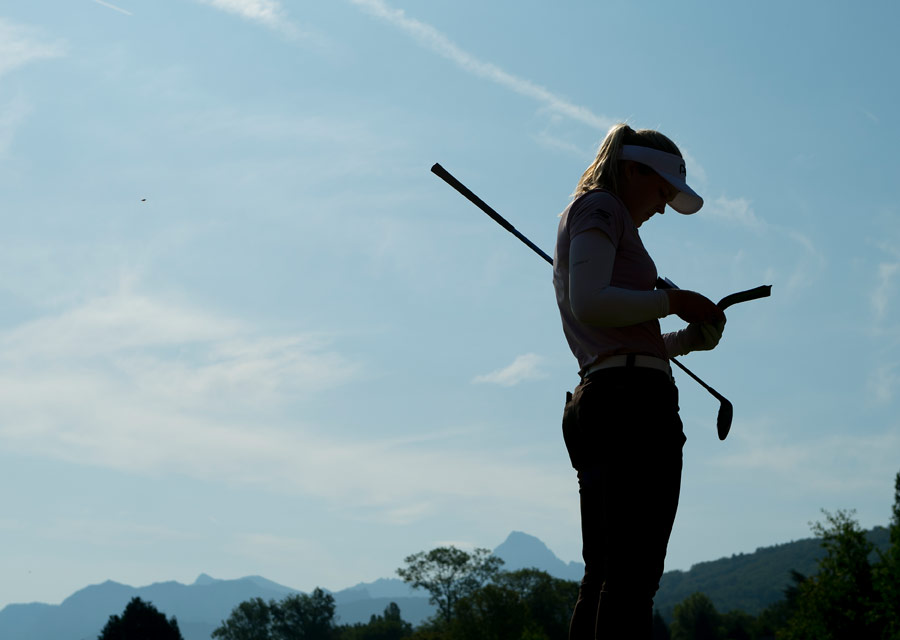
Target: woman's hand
x=709, y=335
x=691, y=306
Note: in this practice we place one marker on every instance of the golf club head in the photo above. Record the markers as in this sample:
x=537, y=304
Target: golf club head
x=723, y=421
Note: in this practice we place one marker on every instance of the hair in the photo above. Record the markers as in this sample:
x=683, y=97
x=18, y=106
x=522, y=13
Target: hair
x=603, y=173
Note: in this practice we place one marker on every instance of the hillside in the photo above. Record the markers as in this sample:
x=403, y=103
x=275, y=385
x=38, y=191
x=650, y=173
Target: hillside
x=748, y=582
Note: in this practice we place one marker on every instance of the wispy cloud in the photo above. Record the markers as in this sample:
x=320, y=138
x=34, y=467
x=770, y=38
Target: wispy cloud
x=268, y=13
x=113, y=7
x=831, y=464
x=431, y=38
x=737, y=211
x=137, y=347
x=523, y=368
x=20, y=45
x=810, y=261
x=140, y=384
x=884, y=382
x=885, y=289
x=871, y=116
x=12, y=115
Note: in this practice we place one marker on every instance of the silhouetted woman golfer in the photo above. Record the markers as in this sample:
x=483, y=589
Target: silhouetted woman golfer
x=621, y=424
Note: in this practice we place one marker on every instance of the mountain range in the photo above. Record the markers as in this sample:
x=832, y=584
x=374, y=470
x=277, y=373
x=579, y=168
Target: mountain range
x=748, y=582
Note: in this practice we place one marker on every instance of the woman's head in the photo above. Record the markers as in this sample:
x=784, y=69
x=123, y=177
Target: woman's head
x=627, y=157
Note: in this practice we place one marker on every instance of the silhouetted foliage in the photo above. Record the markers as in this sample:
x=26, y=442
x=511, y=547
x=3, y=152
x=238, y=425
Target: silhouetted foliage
x=887, y=572
x=250, y=620
x=297, y=617
x=660, y=628
x=490, y=613
x=527, y=604
x=840, y=600
x=449, y=574
x=548, y=600
x=389, y=626
x=140, y=621
x=696, y=619
x=304, y=617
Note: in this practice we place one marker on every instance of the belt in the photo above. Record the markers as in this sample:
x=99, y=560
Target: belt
x=630, y=360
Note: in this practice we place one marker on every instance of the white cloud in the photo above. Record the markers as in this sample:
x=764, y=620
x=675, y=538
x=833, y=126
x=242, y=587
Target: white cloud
x=110, y=324
x=522, y=369
x=20, y=45
x=433, y=39
x=268, y=13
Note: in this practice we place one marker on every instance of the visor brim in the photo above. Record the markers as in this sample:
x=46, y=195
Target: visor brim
x=687, y=201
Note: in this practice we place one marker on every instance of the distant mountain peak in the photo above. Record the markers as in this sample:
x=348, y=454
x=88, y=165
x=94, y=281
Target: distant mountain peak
x=520, y=537
x=523, y=551
x=204, y=579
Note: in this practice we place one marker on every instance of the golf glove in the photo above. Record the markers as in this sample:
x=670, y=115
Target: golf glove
x=697, y=336
x=711, y=333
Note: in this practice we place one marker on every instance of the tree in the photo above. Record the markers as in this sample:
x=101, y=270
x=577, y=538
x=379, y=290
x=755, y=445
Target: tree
x=528, y=604
x=776, y=615
x=660, y=628
x=840, y=601
x=449, y=574
x=140, y=621
x=250, y=620
x=493, y=612
x=737, y=625
x=297, y=617
x=887, y=573
x=548, y=600
x=696, y=619
x=389, y=626
x=304, y=617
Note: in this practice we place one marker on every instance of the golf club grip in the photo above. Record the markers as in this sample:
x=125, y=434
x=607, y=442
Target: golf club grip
x=445, y=175
x=756, y=293
x=745, y=296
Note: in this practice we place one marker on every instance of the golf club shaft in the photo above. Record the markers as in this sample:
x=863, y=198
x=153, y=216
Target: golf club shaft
x=712, y=391
x=445, y=175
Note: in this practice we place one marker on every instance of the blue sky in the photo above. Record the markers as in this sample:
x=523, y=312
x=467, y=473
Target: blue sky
x=243, y=330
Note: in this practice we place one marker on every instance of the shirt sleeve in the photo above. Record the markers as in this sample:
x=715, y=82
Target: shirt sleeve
x=593, y=301
x=597, y=211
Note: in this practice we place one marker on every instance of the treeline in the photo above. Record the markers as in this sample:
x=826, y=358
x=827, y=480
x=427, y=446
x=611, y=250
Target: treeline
x=523, y=605
x=854, y=594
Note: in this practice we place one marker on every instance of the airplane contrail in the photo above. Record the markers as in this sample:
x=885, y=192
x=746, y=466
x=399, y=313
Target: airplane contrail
x=114, y=7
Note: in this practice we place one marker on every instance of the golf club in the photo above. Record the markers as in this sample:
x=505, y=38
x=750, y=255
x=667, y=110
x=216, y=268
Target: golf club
x=726, y=410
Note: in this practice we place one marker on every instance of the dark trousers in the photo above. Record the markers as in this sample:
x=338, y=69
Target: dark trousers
x=625, y=439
